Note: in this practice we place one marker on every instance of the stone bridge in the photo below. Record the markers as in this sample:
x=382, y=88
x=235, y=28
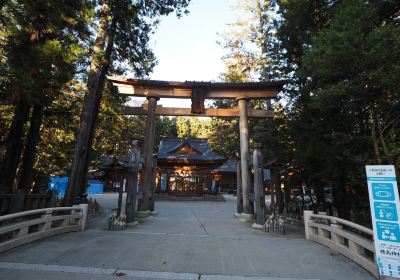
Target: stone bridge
x=185, y=240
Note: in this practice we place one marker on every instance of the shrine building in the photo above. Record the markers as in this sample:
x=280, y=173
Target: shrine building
x=184, y=167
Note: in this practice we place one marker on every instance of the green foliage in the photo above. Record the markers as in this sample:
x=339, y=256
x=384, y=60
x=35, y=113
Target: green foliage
x=39, y=50
x=46, y=48
x=193, y=127
x=6, y=113
x=341, y=113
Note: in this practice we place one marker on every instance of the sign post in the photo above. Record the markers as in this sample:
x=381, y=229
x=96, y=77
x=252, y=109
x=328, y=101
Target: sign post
x=385, y=213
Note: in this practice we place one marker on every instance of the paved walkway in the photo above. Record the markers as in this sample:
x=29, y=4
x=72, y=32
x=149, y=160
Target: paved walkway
x=185, y=240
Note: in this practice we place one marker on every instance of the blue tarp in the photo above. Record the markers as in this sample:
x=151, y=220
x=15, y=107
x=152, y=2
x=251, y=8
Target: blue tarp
x=59, y=184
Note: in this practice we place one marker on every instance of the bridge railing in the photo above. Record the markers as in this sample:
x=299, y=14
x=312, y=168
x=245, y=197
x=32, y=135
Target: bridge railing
x=349, y=239
x=25, y=227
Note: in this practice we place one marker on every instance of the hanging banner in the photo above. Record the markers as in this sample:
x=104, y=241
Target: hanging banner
x=385, y=213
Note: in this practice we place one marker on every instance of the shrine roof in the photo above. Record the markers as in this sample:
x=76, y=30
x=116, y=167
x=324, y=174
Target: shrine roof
x=187, y=149
x=230, y=167
x=227, y=167
x=114, y=162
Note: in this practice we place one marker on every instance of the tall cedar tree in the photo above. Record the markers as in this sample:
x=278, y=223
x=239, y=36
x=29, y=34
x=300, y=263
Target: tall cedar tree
x=41, y=43
x=341, y=108
x=122, y=36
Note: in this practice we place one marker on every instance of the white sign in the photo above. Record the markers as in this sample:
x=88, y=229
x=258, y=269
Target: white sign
x=385, y=212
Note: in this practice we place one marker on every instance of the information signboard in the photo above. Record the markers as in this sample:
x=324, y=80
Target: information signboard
x=385, y=212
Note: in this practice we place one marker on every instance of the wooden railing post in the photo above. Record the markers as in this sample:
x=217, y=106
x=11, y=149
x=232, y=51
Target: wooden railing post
x=336, y=237
x=25, y=227
x=341, y=236
x=306, y=215
x=84, y=211
x=21, y=232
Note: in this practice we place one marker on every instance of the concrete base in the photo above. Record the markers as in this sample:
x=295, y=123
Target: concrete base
x=247, y=218
x=132, y=225
x=144, y=219
x=143, y=214
x=237, y=215
x=153, y=213
x=257, y=226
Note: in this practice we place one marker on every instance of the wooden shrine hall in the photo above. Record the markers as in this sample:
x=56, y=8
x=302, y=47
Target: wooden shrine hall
x=185, y=167
x=198, y=92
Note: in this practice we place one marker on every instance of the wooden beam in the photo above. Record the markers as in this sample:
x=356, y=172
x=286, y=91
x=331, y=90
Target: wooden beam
x=125, y=89
x=226, y=113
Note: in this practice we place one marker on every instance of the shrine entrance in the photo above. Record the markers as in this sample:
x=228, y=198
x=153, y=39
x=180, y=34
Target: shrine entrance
x=179, y=180
x=184, y=167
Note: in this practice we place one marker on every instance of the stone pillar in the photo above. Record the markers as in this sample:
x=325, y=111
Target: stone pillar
x=239, y=195
x=244, y=157
x=259, y=194
x=148, y=151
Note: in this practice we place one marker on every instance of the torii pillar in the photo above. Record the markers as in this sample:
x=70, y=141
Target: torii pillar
x=248, y=207
x=148, y=153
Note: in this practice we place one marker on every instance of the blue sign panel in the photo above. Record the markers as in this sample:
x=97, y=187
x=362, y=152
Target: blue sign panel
x=383, y=191
x=386, y=211
x=385, y=214
x=388, y=231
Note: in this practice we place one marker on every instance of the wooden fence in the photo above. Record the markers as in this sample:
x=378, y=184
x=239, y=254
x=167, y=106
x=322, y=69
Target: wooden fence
x=31, y=202
x=349, y=239
x=25, y=227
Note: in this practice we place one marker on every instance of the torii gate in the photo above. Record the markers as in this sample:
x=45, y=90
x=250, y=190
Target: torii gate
x=198, y=92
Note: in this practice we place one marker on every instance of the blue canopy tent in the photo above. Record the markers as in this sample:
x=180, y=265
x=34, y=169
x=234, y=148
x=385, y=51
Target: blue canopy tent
x=59, y=184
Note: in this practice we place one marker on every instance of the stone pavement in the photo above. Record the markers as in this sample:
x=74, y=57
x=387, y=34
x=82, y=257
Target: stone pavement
x=185, y=240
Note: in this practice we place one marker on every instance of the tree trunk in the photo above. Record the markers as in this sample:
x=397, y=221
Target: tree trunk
x=382, y=138
x=14, y=146
x=25, y=181
x=95, y=85
x=375, y=138
x=340, y=198
x=319, y=192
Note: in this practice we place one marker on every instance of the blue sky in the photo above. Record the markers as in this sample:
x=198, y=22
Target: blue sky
x=186, y=48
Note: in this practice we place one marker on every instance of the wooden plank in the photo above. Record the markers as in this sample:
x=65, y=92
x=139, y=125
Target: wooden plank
x=228, y=113
x=124, y=89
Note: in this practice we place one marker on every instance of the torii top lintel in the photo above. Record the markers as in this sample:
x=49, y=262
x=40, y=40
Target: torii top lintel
x=210, y=90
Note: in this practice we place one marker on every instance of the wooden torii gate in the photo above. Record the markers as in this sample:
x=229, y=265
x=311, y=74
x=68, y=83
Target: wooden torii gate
x=198, y=92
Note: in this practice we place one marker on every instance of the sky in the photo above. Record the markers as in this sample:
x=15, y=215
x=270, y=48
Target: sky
x=186, y=48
